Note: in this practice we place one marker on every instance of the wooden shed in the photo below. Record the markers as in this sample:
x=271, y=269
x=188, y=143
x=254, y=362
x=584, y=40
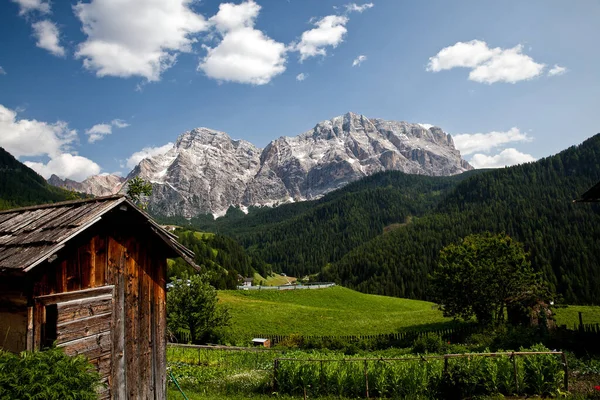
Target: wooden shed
x=90, y=276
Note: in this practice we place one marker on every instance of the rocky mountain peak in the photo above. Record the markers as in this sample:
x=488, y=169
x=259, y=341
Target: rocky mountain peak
x=97, y=185
x=207, y=171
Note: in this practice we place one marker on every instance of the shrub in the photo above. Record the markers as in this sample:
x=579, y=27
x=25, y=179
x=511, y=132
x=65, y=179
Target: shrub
x=429, y=343
x=48, y=375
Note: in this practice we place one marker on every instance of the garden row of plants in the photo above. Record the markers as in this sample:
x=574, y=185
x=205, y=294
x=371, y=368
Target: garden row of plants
x=425, y=378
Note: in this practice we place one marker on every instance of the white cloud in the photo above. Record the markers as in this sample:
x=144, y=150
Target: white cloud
x=30, y=138
x=26, y=6
x=66, y=166
x=245, y=54
x=329, y=31
x=471, y=143
x=557, y=70
x=119, y=123
x=487, y=65
x=302, y=76
x=507, y=157
x=23, y=137
x=99, y=131
x=2, y=71
x=353, y=7
x=359, y=60
x=136, y=37
x=48, y=37
x=146, y=152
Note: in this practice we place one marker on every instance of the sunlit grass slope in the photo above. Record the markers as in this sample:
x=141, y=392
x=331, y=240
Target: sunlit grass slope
x=570, y=315
x=331, y=311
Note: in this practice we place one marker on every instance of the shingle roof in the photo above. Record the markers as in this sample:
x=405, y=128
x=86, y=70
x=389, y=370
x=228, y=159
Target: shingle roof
x=592, y=195
x=30, y=235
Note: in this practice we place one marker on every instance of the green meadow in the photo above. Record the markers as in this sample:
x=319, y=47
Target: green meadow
x=334, y=311
x=569, y=315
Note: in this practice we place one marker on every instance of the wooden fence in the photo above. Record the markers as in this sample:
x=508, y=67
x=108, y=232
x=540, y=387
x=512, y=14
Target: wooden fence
x=399, y=339
x=445, y=357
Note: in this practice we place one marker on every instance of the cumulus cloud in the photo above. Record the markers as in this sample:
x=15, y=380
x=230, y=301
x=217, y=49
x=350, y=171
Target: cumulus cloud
x=136, y=37
x=359, y=60
x=329, y=31
x=353, y=7
x=245, y=54
x=557, y=70
x=2, y=71
x=26, y=6
x=48, y=37
x=99, y=131
x=488, y=65
x=66, y=166
x=505, y=158
x=146, y=152
x=31, y=138
x=23, y=137
x=302, y=76
x=471, y=143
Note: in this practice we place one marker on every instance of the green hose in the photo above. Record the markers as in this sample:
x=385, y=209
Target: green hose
x=177, y=384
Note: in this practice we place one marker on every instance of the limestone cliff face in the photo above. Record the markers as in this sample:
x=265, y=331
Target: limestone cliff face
x=207, y=172
x=97, y=185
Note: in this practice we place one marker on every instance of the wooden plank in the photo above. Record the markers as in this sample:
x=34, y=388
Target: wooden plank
x=76, y=295
x=145, y=336
x=161, y=334
x=89, y=275
x=87, y=307
x=30, y=330
x=100, y=261
x=84, y=327
x=132, y=327
x=92, y=346
x=116, y=264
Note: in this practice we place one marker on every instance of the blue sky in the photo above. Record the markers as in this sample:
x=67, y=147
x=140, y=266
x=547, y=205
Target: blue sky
x=84, y=86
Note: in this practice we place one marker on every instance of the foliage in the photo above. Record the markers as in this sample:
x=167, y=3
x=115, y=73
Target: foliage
x=138, y=190
x=323, y=312
x=21, y=186
x=464, y=378
x=49, y=375
x=220, y=256
x=532, y=203
x=192, y=304
x=484, y=276
x=430, y=343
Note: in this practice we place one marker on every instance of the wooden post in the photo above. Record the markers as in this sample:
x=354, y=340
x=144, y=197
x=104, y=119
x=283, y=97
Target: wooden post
x=580, y=320
x=514, y=361
x=321, y=377
x=445, y=365
x=366, y=379
x=566, y=366
x=275, y=368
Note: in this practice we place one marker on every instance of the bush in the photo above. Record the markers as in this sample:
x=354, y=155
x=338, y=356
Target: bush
x=48, y=375
x=429, y=343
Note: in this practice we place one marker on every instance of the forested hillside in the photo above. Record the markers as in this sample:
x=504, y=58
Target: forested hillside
x=21, y=186
x=532, y=202
x=301, y=238
x=221, y=257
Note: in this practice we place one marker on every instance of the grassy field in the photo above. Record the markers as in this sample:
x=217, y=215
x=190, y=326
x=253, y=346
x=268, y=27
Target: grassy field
x=333, y=311
x=273, y=280
x=570, y=315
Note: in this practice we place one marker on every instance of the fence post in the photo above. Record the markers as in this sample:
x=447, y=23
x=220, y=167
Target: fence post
x=445, y=365
x=275, y=369
x=566, y=366
x=321, y=378
x=514, y=361
x=367, y=379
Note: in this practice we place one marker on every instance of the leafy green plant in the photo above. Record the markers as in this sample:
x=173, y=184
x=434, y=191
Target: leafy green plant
x=47, y=375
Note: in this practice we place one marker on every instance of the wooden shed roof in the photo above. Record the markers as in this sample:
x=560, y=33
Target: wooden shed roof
x=591, y=196
x=30, y=235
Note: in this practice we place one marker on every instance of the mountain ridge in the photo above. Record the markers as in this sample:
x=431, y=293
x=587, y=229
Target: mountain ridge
x=206, y=171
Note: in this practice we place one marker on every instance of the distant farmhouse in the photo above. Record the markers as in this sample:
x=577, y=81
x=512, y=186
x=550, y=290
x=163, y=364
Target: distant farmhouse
x=90, y=276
